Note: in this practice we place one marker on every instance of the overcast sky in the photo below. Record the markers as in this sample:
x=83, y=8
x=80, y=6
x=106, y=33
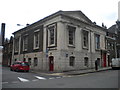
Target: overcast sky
x=13, y=12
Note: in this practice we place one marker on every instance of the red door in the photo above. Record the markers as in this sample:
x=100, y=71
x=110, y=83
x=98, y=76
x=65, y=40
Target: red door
x=104, y=60
x=51, y=63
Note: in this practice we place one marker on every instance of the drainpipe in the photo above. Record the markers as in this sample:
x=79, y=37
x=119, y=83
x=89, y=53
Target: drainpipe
x=13, y=50
x=91, y=49
x=115, y=49
x=19, y=46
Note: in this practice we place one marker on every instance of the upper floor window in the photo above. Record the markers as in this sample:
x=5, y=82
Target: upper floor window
x=52, y=38
x=97, y=41
x=51, y=35
x=16, y=42
x=36, y=39
x=25, y=42
x=71, y=35
x=85, y=38
x=110, y=46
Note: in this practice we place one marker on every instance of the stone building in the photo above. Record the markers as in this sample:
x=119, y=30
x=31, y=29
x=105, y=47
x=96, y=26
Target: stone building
x=115, y=33
x=65, y=40
x=7, y=52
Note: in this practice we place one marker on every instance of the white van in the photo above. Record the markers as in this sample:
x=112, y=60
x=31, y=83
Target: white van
x=115, y=63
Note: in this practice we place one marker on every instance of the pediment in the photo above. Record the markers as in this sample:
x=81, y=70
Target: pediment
x=78, y=15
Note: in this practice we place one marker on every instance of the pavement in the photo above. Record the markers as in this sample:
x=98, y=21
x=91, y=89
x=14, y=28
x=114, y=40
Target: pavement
x=75, y=72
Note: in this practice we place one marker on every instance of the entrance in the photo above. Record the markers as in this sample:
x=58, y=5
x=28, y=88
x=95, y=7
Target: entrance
x=109, y=60
x=104, y=59
x=51, y=63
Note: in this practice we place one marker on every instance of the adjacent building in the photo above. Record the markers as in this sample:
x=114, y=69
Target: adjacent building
x=111, y=45
x=7, y=52
x=65, y=40
x=2, y=35
x=115, y=34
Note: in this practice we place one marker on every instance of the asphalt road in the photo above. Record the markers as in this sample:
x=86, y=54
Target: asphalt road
x=104, y=79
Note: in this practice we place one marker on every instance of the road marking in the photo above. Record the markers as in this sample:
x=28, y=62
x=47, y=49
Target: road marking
x=58, y=77
x=52, y=78
x=67, y=76
x=23, y=80
x=15, y=82
x=4, y=82
x=38, y=77
x=35, y=80
x=56, y=74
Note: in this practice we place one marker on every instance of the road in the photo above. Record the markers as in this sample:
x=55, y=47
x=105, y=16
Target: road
x=104, y=79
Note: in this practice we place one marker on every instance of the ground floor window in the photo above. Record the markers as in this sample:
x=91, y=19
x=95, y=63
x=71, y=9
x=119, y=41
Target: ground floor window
x=24, y=59
x=29, y=61
x=15, y=59
x=35, y=61
x=72, y=61
x=86, y=62
x=98, y=61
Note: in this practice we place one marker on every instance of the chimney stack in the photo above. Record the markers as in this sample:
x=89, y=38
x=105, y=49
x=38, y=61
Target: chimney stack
x=2, y=34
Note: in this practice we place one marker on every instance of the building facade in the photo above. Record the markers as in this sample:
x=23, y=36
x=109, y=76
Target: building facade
x=2, y=35
x=7, y=52
x=115, y=33
x=65, y=40
x=111, y=46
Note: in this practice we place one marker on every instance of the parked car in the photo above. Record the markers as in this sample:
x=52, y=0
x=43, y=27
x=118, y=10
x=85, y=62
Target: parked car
x=115, y=63
x=20, y=66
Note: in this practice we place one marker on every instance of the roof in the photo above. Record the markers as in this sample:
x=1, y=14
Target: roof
x=78, y=15
x=72, y=14
x=112, y=29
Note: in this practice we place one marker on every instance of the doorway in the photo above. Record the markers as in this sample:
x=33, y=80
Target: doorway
x=104, y=59
x=51, y=63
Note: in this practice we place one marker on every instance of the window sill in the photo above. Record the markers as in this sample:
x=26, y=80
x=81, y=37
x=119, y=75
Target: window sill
x=52, y=45
x=86, y=48
x=24, y=50
x=72, y=46
x=36, y=48
x=16, y=51
x=97, y=49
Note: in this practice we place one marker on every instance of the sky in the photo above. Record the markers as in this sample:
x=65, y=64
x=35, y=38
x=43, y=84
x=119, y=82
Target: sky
x=13, y=12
